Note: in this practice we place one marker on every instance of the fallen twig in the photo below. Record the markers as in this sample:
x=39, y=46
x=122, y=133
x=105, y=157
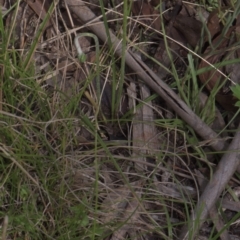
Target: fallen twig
x=225, y=169
x=213, y=212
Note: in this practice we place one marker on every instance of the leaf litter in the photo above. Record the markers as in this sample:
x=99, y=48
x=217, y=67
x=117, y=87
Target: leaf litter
x=161, y=179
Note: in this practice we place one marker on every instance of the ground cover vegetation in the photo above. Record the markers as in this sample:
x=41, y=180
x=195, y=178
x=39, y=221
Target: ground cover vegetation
x=119, y=119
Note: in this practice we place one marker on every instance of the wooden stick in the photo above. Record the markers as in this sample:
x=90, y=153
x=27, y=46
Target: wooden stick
x=229, y=161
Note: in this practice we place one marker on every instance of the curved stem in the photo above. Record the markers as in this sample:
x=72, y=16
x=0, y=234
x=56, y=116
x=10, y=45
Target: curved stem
x=82, y=56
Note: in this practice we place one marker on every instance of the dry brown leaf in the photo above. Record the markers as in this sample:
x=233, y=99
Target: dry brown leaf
x=155, y=3
x=190, y=28
x=38, y=7
x=212, y=78
x=213, y=24
x=184, y=29
x=161, y=54
x=218, y=122
x=147, y=14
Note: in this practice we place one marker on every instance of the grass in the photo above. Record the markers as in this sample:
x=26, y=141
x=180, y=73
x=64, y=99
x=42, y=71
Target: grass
x=56, y=184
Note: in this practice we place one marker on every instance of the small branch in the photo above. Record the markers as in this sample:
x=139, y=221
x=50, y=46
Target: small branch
x=225, y=169
x=213, y=213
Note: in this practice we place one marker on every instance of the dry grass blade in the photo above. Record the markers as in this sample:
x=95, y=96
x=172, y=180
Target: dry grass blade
x=127, y=172
x=7, y=153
